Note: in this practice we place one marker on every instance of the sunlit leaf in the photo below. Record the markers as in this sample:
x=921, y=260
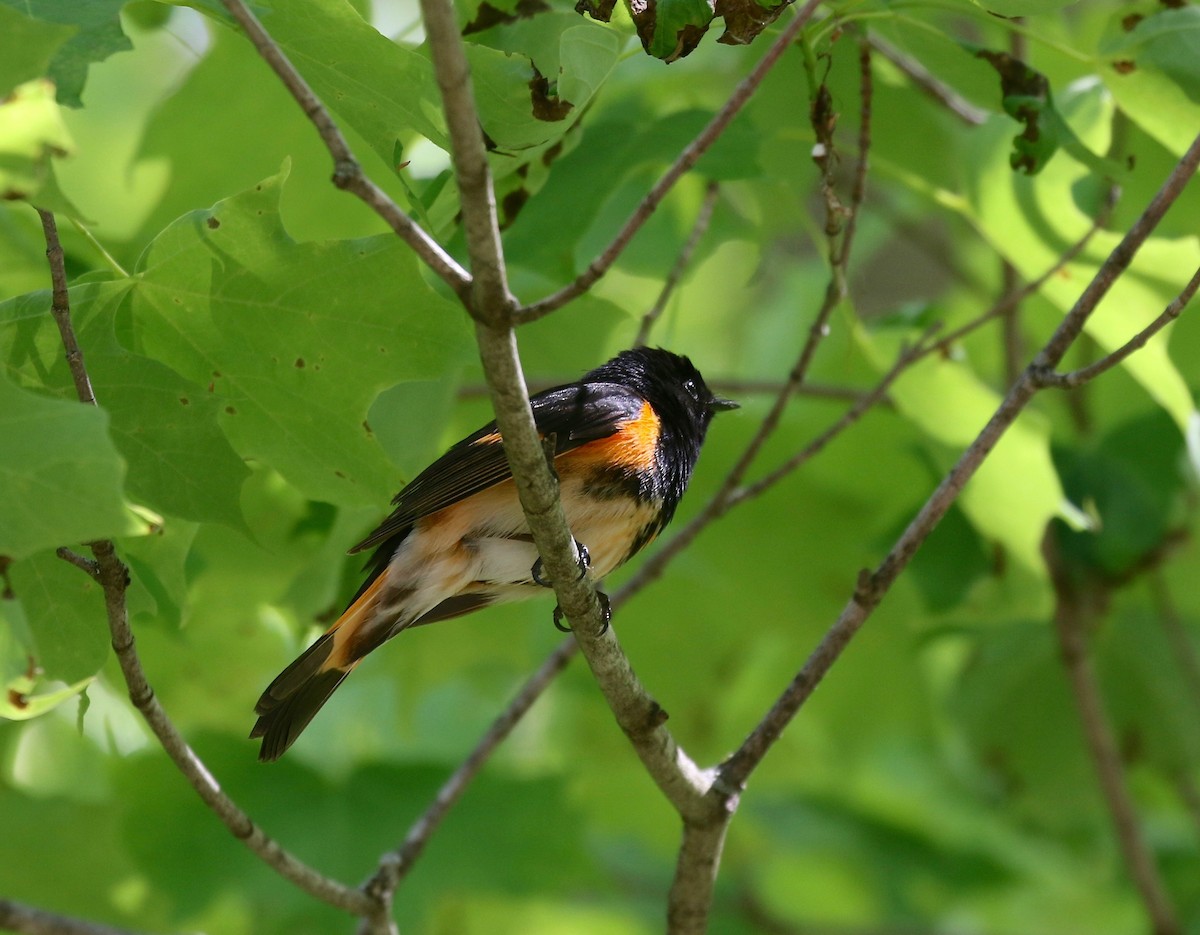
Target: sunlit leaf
x=295, y=339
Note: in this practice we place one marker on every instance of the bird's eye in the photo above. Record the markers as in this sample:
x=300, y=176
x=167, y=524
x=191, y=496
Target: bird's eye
x=690, y=385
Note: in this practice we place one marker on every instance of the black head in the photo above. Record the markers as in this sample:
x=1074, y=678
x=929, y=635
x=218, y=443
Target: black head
x=671, y=383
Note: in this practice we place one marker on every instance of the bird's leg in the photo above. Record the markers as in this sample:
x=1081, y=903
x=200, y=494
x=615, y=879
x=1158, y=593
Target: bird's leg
x=583, y=560
x=605, y=609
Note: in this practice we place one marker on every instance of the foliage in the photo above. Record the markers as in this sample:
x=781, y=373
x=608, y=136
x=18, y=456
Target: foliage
x=272, y=364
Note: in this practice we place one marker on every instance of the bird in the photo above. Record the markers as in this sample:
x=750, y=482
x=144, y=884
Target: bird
x=625, y=437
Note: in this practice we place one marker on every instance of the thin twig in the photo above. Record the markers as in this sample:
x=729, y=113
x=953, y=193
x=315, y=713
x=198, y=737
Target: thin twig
x=27, y=920
x=919, y=75
x=872, y=587
x=924, y=347
x=1077, y=607
x=690, y=899
x=906, y=358
x=703, y=216
x=491, y=301
x=396, y=866
x=347, y=173
x=60, y=308
x=840, y=241
x=113, y=576
x=84, y=564
x=687, y=159
x=1076, y=378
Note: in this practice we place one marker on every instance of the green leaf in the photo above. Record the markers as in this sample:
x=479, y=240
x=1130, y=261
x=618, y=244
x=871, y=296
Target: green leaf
x=98, y=36
x=381, y=89
x=29, y=44
x=65, y=610
x=60, y=476
x=522, y=108
x=31, y=132
x=1153, y=70
x=1168, y=42
x=165, y=427
x=1133, y=479
x=295, y=339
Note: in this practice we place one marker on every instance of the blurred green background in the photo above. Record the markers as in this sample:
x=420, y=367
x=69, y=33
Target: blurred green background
x=268, y=381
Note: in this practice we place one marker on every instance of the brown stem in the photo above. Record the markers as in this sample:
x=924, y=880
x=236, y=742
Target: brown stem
x=696, y=867
x=347, y=173
x=687, y=159
x=703, y=216
x=1076, y=378
x=919, y=75
x=60, y=308
x=872, y=587
x=27, y=920
x=396, y=866
x=113, y=576
x=1079, y=606
x=490, y=299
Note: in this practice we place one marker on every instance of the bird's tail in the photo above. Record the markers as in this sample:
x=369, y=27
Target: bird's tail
x=299, y=691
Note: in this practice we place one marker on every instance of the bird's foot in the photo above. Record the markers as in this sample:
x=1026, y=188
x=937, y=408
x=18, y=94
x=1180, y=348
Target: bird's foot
x=605, y=610
x=583, y=560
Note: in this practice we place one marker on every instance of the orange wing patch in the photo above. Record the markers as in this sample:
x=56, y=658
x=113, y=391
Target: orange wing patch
x=633, y=445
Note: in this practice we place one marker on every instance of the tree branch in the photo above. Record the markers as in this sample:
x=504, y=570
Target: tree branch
x=17, y=917
x=113, y=576
x=60, y=308
x=1076, y=378
x=872, y=587
x=491, y=301
x=1078, y=606
x=687, y=159
x=396, y=865
x=703, y=216
x=690, y=900
x=86, y=565
x=920, y=76
x=347, y=173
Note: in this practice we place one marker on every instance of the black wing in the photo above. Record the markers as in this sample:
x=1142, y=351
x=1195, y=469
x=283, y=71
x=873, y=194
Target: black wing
x=575, y=414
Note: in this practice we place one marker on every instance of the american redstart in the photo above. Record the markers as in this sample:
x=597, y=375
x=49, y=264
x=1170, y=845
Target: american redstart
x=626, y=438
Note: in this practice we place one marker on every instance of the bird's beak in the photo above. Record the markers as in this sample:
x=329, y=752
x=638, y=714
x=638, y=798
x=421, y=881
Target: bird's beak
x=721, y=404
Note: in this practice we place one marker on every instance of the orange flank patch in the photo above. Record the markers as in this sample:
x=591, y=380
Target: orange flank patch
x=346, y=628
x=633, y=445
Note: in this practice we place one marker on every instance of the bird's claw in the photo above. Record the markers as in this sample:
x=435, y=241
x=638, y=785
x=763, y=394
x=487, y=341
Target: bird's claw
x=605, y=610
x=583, y=560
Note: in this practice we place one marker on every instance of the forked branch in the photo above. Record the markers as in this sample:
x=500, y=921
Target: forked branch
x=113, y=576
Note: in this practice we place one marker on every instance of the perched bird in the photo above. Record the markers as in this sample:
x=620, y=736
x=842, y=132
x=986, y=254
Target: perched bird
x=626, y=436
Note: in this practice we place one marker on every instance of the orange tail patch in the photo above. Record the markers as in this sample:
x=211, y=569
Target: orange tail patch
x=293, y=699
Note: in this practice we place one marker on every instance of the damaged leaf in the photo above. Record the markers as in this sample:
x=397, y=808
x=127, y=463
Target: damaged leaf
x=488, y=15
x=745, y=19
x=1025, y=96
